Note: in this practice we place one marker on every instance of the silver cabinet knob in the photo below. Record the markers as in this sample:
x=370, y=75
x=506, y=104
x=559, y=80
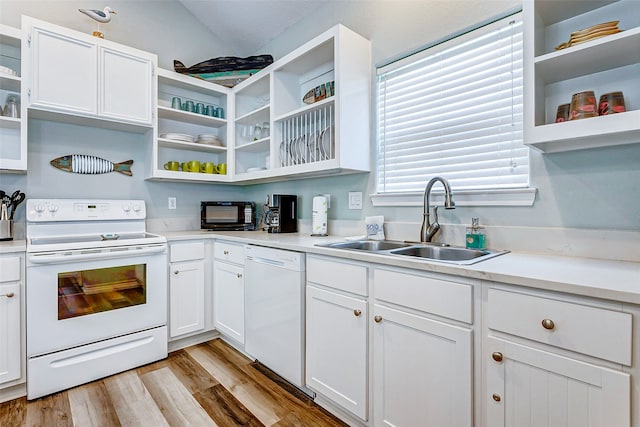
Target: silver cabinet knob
x=239, y=275
x=497, y=356
x=496, y=397
x=357, y=313
x=225, y=252
x=377, y=319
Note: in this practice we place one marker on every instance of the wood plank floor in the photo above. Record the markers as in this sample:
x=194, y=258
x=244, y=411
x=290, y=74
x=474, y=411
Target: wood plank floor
x=209, y=384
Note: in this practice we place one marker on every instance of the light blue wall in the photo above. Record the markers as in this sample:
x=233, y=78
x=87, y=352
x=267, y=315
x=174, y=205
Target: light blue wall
x=594, y=189
x=588, y=189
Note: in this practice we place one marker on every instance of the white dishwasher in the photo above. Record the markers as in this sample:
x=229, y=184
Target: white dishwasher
x=274, y=310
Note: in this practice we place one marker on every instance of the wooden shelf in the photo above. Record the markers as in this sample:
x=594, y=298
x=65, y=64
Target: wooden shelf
x=606, y=53
x=191, y=146
x=255, y=146
x=10, y=83
x=187, y=116
x=602, y=131
x=305, y=109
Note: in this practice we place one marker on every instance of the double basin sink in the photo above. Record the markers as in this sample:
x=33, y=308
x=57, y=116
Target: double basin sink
x=428, y=251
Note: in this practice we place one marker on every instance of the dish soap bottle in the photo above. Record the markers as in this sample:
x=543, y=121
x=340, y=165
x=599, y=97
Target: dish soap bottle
x=475, y=237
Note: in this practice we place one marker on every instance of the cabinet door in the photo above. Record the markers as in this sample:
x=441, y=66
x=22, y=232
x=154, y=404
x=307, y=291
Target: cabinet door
x=126, y=86
x=527, y=387
x=228, y=300
x=9, y=332
x=186, y=297
x=336, y=349
x=63, y=73
x=422, y=371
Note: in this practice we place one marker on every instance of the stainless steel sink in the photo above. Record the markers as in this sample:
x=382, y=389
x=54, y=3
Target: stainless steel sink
x=427, y=251
x=443, y=253
x=367, y=245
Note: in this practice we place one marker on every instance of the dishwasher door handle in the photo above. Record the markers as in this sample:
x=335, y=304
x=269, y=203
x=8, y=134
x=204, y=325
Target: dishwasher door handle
x=265, y=261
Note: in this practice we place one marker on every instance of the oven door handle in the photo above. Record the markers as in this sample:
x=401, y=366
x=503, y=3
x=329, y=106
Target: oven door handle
x=93, y=254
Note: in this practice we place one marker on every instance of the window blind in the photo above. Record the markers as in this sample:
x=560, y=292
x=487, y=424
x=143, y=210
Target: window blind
x=455, y=110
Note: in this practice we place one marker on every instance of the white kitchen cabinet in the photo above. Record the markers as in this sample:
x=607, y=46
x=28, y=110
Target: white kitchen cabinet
x=228, y=286
x=11, y=319
x=606, y=64
x=187, y=304
x=331, y=136
x=422, y=365
x=172, y=120
x=531, y=387
x=547, y=361
x=253, y=109
x=74, y=74
x=336, y=334
x=13, y=130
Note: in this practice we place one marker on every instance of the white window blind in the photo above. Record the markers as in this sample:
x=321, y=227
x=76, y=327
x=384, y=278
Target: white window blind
x=455, y=110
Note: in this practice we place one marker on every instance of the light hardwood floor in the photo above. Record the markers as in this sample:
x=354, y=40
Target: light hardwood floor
x=204, y=385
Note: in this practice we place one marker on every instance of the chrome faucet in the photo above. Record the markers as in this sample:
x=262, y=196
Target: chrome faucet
x=428, y=230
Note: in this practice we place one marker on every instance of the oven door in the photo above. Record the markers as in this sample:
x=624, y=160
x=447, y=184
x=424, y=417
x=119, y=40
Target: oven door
x=83, y=296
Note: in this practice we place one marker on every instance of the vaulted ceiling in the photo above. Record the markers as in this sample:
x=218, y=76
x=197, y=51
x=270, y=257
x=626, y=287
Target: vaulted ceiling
x=247, y=25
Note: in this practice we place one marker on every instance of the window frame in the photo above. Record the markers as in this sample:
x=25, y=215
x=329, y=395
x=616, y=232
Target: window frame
x=517, y=196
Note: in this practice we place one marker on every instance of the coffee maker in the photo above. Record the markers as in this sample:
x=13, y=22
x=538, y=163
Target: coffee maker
x=282, y=214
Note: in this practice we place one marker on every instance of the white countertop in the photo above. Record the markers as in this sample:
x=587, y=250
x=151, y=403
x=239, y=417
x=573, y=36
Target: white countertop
x=613, y=280
x=13, y=246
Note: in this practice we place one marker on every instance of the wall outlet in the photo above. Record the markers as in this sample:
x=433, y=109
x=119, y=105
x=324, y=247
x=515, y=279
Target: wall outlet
x=355, y=199
x=172, y=203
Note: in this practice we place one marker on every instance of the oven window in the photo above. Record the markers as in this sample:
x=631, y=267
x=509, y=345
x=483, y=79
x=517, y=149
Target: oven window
x=92, y=291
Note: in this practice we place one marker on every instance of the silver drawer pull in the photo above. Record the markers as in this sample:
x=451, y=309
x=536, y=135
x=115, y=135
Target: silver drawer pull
x=548, y=324
x=225, y=252
x=9, y=295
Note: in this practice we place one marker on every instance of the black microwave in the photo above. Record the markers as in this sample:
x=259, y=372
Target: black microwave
x=228, y=216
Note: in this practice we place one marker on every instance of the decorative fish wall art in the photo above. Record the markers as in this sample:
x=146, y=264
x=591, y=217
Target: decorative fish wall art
x=90, y=165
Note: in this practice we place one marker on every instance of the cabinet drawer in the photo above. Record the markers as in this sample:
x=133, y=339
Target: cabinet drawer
x=436, y=296
x=338, y=275
x=231, y=252
x=589, y=330
x=186, y=251
x=9, y=269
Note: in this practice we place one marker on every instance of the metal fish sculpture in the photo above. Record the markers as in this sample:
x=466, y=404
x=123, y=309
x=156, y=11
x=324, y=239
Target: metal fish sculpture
x=90, y=165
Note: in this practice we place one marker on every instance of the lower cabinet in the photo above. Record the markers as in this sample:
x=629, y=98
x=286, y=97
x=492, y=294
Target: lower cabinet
x=422, y=371
x=552, y=360
x=11, y=316
x=9, y=332
x=336, y=351
x=531, y=387
x=187, y=304
x=228, y=290
x=422, y=364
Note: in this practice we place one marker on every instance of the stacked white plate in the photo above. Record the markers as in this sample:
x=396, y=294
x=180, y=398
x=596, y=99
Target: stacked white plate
x=177, y=137
x=210, y=139
x=9, y=71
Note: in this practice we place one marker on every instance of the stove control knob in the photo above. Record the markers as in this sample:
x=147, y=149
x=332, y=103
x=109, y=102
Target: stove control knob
x=53, y=208
x=126, y=208
x=136, y=208
x=39, y=208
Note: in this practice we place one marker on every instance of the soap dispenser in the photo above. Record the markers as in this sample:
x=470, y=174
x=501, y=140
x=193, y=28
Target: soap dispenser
x=475, y=236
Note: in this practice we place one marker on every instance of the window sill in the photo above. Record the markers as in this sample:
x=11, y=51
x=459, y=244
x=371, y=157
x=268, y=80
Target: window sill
x=498, y=197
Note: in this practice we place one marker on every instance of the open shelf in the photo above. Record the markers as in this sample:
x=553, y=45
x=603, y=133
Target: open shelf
x=191, y=146
x=187, y=116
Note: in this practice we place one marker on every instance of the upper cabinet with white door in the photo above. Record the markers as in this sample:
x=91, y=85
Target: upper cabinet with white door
x=72, y=74
x=604, y=64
